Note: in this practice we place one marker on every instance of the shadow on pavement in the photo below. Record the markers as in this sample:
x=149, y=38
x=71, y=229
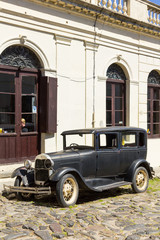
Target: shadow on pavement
x=84, y=197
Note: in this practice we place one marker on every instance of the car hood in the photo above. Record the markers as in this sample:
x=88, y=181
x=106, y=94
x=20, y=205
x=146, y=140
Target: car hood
x=58, y=156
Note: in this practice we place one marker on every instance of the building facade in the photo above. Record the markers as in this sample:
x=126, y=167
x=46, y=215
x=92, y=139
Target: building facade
x=67, y=64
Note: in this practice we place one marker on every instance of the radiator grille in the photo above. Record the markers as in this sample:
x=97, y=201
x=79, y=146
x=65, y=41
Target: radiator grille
x=39, y=163
x=41, y=175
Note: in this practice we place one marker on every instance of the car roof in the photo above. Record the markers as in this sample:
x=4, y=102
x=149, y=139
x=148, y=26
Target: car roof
x=107, y=129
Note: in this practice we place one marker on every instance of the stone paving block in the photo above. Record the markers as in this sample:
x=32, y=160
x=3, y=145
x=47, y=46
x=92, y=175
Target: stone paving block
x=44, y=235
x=56, y=228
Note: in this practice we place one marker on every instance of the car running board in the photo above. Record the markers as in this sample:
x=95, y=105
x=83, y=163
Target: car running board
x=112, y=185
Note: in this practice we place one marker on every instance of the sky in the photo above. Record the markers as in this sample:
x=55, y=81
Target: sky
x=155, y=1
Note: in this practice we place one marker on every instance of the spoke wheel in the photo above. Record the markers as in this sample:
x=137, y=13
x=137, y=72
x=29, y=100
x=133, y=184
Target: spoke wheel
x=140, y=180
x=21, y=196
x=67, y=190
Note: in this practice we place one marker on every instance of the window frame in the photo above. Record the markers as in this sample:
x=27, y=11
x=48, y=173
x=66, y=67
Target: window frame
x=150, y=101
x=113, y=110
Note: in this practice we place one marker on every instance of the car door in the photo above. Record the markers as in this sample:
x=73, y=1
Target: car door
x=88, y=163
x=108, y=161
x=129, y=150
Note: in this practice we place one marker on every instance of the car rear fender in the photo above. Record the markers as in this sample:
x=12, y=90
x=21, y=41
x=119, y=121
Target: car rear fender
x=27, y=176
x=135, y=165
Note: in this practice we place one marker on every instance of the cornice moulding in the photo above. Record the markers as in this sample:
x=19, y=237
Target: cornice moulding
x=101, y=13
x=98, y=13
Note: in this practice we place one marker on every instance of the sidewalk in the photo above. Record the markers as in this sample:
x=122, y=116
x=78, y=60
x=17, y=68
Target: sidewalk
x=5, y=174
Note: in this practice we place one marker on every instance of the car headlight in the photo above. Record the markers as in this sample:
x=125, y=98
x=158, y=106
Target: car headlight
x=48, y=163
x=28, y=164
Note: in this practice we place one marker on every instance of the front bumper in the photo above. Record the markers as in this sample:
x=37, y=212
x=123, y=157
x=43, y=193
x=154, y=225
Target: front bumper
x=31, y=190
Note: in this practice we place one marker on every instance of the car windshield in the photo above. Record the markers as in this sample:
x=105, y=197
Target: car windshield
x=79, y=141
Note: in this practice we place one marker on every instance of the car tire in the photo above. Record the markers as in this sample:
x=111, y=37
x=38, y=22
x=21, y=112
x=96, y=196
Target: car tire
x=21, y=196
x=67, y=190
x=140, y=180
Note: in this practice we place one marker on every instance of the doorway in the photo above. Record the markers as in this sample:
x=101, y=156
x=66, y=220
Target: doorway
x=19, y=130
x=18, y=115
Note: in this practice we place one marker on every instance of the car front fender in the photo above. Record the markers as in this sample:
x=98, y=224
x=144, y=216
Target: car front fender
x=58, y=174
x=26, y=175
x=135, y=165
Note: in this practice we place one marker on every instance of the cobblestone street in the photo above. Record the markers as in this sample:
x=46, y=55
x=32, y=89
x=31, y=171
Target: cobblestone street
x=117, y=214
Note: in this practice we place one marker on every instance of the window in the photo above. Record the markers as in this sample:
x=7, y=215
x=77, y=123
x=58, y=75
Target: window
x=141, y=139
x=107, y=141
x=29, y=102
x=115, y=96
x=129, y=140
x=153, y=113
x=7, y=103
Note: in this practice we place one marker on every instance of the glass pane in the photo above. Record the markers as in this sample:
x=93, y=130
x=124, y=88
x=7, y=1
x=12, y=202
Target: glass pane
x=148, y=128
x=155, y=128
x=118, y=117
x=118, y=90
x=7, y=103
x=30, y=123
x=29, y=104
x=109, y=117
x=7, y=122
x=141, y=139
x=149, y=93
x=156, y=117
x=109, y=89
x=156, y=94
x=155, y=105
x=108, y=104
x=129, y=140
x=28, y=85
x=7, y=83
x=148, y=117
x=148, y=106
x=118, y=103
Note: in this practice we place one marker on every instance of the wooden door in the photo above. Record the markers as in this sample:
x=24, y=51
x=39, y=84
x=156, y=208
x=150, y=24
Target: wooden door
x=18, y=101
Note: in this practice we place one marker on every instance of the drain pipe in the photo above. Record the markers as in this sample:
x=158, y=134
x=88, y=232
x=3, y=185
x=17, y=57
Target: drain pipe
x=94, y=67
x=94, y=72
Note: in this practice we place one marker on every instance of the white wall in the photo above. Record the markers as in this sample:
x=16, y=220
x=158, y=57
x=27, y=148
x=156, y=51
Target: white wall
x=67, y=47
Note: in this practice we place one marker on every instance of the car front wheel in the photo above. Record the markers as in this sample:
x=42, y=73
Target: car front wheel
x=140, y=180
x=67, y=190
x=21, y=196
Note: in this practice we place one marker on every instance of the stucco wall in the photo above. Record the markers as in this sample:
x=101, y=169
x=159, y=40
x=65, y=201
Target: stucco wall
x=73, y=49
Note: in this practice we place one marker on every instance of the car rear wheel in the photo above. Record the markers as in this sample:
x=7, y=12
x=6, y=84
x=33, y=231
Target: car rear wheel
x=67, y=190
x=140, y=180
x=21, y=196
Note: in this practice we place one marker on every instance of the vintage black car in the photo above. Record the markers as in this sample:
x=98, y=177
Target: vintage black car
x=92, y=159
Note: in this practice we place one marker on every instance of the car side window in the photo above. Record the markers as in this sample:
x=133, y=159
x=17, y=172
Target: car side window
x=129, y=140
x=107, y=141
x=141, y=139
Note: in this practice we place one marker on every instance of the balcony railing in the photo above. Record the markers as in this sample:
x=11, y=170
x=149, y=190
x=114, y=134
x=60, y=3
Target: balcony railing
x=119, y=6
x=142, y=10
x=154, y=15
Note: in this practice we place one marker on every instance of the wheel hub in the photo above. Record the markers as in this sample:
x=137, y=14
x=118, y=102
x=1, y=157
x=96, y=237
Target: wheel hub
x=67, y=190
x=140, y=179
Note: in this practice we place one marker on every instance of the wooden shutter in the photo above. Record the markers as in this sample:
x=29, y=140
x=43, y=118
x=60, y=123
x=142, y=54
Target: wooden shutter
x=48, y=105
